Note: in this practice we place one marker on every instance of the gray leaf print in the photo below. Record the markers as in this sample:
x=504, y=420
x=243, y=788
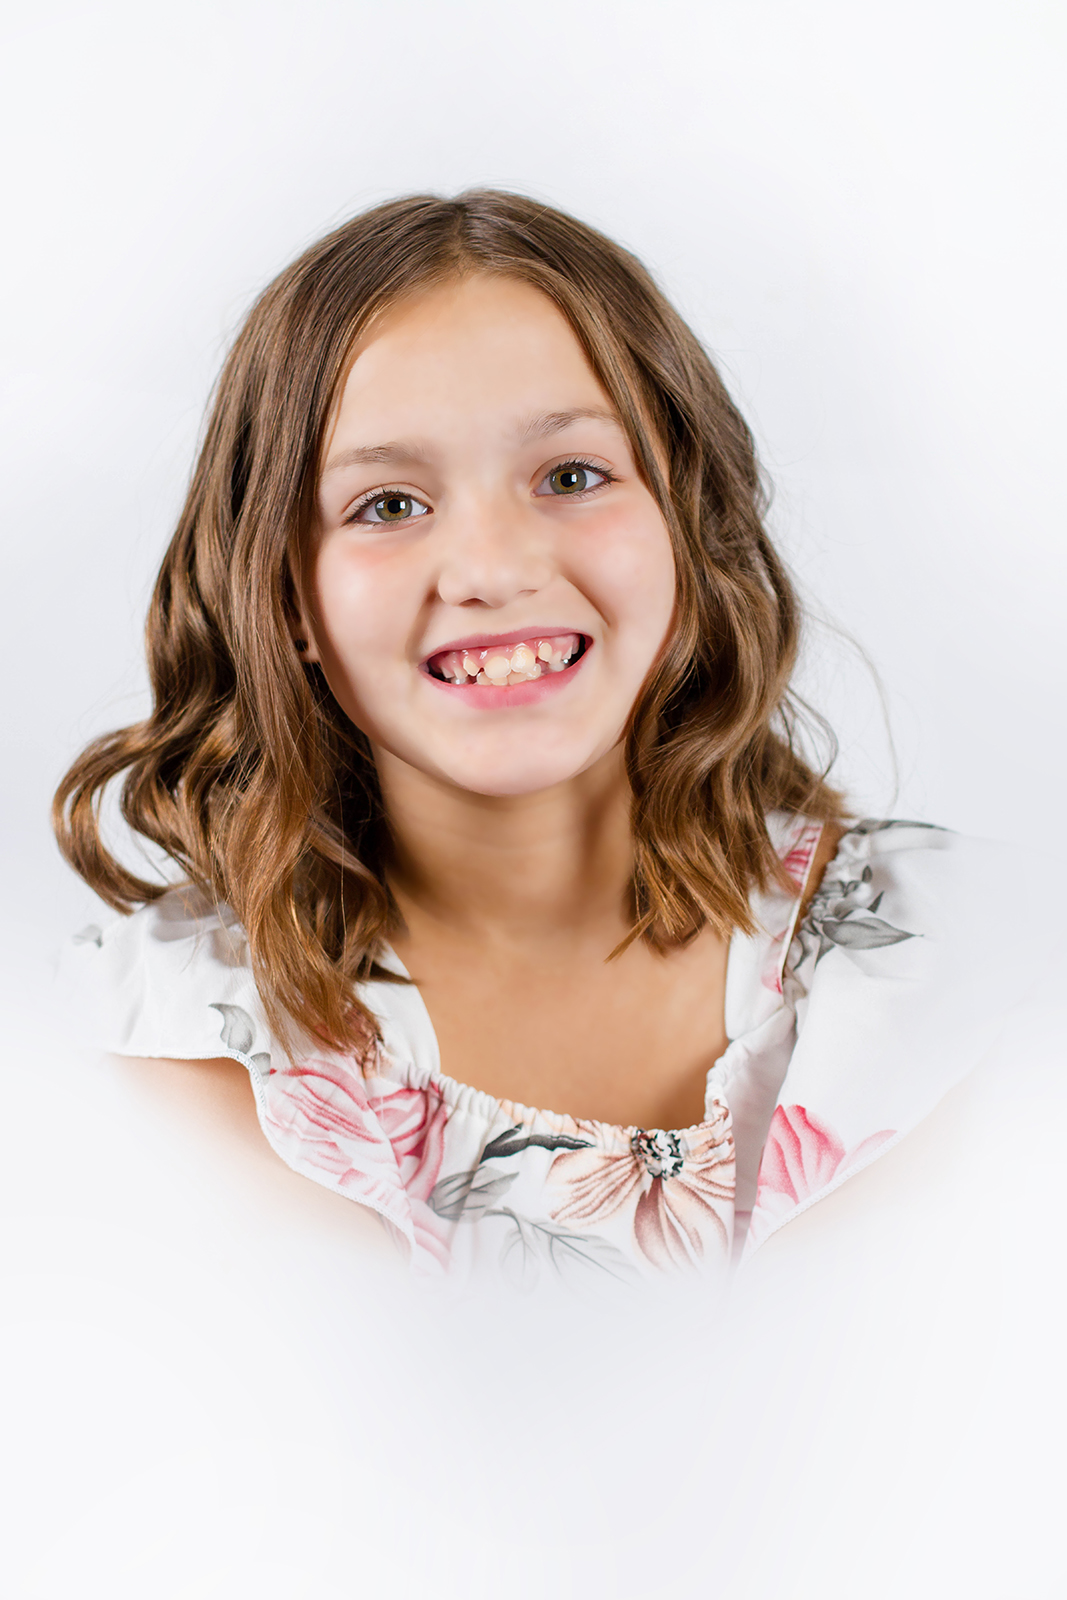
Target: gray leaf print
x=466, y=1197
x=514, y=1141
x=261, y=1062
x=862, y=933
x=528, y=1244
x=571, y=1252
x=519, y=1256
x=842, y=911
x=875, y=825
x=238, y=1030
x=89, y=935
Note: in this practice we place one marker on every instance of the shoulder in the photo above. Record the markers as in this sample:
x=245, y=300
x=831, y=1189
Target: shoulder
x=922, y=954
x=199, y=1119
x=173, y=979
x=969, y=881
x=891, y=882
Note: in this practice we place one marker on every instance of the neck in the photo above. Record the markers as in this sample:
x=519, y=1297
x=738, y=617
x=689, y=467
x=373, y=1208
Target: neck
x=515, y=868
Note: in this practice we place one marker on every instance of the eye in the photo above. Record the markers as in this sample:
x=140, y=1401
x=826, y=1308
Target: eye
x=573, y=478
x=390, y=505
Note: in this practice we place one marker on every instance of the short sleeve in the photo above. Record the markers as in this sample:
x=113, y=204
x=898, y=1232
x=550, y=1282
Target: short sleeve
x=174, y=980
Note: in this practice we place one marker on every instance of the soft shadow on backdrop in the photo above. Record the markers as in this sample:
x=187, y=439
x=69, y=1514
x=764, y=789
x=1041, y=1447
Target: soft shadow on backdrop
x=858, y=207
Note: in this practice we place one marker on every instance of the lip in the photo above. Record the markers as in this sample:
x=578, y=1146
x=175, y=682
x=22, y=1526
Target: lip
x=486, y=641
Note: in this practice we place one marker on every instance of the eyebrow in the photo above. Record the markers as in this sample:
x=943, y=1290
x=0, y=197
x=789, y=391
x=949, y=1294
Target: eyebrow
x=396, y=452
x=369, y=455
x=556, y=421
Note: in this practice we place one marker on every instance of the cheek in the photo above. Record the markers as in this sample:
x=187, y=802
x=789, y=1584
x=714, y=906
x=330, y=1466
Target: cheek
x=631, y=567
x=358, y=602
x=362, y=613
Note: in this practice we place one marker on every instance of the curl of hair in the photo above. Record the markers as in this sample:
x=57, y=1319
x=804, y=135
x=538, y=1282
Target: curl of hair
x=248, y=775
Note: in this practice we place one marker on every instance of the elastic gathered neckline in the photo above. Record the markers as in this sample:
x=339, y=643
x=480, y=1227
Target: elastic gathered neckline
x=479, y=1103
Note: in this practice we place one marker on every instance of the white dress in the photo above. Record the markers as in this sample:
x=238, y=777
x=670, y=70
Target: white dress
x=846, y=1029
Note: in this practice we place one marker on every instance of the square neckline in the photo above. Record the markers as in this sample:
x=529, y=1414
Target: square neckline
x=750, y=1000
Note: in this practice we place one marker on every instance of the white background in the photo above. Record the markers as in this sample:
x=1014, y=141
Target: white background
x=857, y=205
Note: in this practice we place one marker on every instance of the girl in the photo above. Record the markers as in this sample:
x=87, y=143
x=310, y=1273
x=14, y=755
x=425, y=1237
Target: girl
x=503, y=878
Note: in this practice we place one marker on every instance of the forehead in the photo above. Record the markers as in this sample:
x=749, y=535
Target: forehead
x=490, y=348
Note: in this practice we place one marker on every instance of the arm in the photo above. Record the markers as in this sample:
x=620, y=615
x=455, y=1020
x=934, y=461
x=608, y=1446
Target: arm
x=210, y=1105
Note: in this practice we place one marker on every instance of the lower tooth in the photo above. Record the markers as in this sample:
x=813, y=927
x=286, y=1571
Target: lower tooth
x=470, y=671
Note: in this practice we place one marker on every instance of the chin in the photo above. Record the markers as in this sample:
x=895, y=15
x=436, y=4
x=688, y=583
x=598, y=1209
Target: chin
x=500, y=779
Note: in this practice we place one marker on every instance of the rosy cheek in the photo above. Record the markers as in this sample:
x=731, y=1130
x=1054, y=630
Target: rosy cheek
x=352, y=600
x=631, y=563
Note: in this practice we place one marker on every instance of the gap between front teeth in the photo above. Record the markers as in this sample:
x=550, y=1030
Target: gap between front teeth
x=500, y=666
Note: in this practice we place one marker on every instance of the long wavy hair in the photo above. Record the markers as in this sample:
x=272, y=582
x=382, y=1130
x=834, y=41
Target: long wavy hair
x=248, y=775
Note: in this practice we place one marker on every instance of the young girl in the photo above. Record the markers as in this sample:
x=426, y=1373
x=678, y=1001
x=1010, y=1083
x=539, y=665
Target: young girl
x=503, y=878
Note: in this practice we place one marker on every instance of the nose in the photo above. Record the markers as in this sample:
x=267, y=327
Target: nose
x=491, y=554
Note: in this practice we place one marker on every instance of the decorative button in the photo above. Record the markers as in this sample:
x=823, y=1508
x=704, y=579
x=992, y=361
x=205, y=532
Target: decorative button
x=660, y=1152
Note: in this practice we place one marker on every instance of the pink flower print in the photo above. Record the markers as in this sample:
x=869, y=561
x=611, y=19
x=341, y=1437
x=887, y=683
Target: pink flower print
x=797, y=861
x=801, y=1158
x=413, y=1120
x=384, y=1151
x=681, y=1187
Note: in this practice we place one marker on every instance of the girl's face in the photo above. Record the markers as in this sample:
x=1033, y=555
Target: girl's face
x=491, y=580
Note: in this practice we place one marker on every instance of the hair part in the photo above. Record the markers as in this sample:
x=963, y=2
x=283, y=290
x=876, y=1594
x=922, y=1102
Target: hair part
x=248, y=775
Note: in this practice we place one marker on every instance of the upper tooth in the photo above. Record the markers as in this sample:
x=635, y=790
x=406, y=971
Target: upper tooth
x=522, y=661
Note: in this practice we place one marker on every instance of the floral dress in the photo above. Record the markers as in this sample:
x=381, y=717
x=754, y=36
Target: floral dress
x=845, y=1029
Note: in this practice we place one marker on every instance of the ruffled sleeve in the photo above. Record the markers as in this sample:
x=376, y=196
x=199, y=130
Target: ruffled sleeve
x=174, y=980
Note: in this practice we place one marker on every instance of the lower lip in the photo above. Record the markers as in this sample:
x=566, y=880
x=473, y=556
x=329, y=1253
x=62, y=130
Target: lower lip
x=516, y=694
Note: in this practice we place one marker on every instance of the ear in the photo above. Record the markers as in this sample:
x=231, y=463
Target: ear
x=300, y=630
x=304, y=641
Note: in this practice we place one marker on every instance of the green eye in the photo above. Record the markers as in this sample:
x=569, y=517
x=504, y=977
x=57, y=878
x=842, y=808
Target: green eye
x=394, y=507
x=573, y=478
x=569, y=480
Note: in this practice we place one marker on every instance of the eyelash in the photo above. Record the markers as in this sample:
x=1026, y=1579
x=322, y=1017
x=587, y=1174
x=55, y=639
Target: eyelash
x=572, y=461
x=586, y=466
x=380, y=493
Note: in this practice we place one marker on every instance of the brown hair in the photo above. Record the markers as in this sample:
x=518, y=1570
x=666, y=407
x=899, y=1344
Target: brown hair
x=249, y=776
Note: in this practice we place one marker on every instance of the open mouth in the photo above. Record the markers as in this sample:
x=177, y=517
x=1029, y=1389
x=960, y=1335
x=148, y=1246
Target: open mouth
x=502, y=666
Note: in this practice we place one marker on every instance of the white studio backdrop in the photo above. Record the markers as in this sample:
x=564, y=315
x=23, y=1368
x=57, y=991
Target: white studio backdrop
x=859, y=209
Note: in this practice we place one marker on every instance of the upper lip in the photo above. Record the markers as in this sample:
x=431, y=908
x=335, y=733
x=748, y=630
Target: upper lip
x=486, y=641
